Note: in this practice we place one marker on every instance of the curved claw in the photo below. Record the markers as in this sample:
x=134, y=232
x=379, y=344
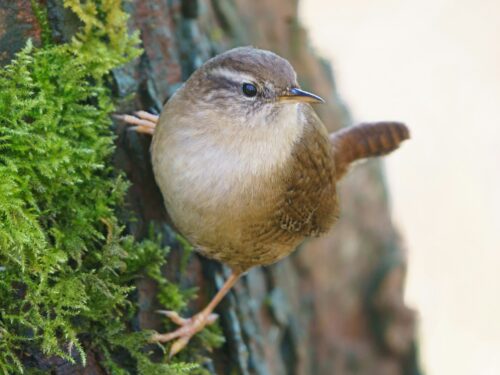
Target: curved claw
x=212, y=318
x=178, y=345
x=182, y=341
x=188, y=328
x=145, y=122
x=147, y=116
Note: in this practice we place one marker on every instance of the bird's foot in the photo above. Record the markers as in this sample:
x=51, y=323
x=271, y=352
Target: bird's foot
x=188, y=328
x=144, y=122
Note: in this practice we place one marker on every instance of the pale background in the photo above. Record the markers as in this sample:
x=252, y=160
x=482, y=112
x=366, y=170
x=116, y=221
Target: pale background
x=434, y=64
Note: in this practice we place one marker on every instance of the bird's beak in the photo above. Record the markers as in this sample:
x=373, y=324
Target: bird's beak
x=295, y=95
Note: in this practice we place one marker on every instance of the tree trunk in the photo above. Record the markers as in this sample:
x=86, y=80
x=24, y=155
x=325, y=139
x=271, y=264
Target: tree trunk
x=335, y=306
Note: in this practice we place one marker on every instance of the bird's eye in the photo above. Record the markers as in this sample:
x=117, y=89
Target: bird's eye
x=249, y=90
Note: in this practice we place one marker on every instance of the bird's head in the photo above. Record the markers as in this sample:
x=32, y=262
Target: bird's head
x=246, y=86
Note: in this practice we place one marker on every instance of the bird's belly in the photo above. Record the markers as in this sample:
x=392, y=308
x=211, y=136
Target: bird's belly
x=227, y=216
x=249, y=201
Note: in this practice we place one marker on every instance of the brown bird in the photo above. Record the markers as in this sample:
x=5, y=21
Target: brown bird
x=246, y=168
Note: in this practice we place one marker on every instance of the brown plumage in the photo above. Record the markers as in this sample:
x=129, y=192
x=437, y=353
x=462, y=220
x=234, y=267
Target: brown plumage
x=246, y=168
x=365, y=141
x=303, y=203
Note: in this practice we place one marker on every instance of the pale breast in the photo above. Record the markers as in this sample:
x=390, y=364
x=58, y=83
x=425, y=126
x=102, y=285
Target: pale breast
x=218, y=180
x=306, y=204
x=246, y=194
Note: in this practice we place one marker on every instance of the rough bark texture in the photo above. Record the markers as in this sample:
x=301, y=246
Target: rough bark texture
x=336, y=305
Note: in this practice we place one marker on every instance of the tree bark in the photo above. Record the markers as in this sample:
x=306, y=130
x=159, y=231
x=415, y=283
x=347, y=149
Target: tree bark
x=335, y=306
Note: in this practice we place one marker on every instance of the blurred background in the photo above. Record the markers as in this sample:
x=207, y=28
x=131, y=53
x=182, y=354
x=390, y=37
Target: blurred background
x=434, y=64
x=337, y=305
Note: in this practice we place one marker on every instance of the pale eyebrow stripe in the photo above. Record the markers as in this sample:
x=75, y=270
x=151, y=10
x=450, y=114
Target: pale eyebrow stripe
x=232, y=75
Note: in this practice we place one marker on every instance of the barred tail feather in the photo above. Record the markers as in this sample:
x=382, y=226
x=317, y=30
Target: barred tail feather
x=365, y=141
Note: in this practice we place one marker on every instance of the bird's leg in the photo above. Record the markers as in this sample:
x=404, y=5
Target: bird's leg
x=145, y=122
x=190, y=326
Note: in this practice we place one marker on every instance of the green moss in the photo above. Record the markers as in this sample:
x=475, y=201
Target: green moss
x=66, y=269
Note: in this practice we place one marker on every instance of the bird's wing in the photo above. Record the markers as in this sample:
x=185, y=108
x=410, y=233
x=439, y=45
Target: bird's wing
x=309, y=205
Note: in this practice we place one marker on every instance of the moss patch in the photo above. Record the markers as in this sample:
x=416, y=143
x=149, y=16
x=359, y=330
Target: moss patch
x=66, y=269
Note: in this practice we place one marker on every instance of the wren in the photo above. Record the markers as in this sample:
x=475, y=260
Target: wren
x=246, y=168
